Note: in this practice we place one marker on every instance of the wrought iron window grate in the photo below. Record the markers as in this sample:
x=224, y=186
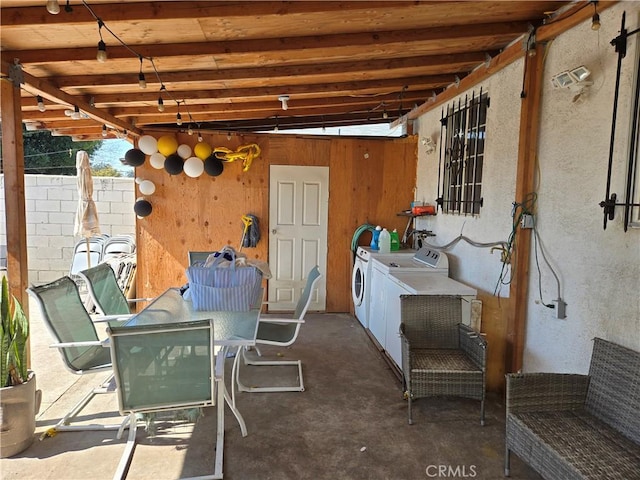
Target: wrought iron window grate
x=463, y=133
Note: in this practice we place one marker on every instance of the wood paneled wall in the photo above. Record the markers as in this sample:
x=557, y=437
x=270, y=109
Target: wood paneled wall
x=370, y=181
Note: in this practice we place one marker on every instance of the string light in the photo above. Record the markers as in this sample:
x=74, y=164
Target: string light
x=595, y=20
x=200, y=139
x=178, y=116
x=142, y=82
x=53, y=7
x=190, y=130
x=104, y=130
x=160, y=102
x=101, y=56
x=41, y=106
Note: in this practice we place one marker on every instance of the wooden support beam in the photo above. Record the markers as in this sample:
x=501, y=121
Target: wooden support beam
x=41, y=87
x=525, y=187
x=13, y=169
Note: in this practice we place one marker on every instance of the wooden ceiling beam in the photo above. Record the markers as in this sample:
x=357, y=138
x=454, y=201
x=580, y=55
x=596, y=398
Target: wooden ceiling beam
x=439, y=36
x=137, y=12
x=425, y=64
x=38, y=86
x=248, y=94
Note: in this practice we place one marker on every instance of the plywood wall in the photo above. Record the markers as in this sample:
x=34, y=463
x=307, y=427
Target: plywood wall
x=371, y=180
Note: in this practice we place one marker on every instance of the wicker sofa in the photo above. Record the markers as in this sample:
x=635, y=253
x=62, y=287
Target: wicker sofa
x=569, y=426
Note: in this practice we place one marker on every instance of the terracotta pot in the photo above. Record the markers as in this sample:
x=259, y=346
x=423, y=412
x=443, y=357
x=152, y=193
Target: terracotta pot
x=19, y=405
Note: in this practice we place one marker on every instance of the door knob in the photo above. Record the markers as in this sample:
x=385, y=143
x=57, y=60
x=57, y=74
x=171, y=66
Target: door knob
x=274, y=231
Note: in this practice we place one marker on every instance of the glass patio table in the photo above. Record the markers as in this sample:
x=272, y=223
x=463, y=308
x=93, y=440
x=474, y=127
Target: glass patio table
x=167, y=324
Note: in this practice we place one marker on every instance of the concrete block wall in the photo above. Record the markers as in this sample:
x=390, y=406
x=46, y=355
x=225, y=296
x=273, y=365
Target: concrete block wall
x=51, y=204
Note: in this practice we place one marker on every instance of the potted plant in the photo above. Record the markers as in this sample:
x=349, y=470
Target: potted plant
x=19, y=399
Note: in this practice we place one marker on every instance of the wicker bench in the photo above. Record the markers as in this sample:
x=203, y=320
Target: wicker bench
x=569, y=426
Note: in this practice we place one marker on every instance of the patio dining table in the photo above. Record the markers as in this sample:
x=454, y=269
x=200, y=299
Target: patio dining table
x=219, y=331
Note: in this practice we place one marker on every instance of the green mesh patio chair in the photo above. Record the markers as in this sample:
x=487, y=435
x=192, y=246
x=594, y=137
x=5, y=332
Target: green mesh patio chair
x=105, y=293
x=165, y=367
x=282, y=332
x=76, y=339
x=440, y=355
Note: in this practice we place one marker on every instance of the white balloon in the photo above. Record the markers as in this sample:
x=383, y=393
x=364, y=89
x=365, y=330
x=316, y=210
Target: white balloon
x=148, y=144
x=157, y=160
x=147, y=187
x=184, y=151
x=193, y=167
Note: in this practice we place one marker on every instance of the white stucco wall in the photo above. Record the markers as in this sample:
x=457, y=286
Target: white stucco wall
x=50, y=203
x=599, y=271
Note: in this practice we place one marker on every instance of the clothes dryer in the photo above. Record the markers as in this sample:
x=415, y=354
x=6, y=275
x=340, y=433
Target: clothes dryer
x=425, y=261
x=418, y=283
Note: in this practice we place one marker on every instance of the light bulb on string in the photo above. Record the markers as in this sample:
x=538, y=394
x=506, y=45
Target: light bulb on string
x=76, y=115
x=53, y=7
x=190, y=130
x=104, y=130
x=142, y=82
x=101, y=56
x=160, y=102
x=595, y=20
x=41, y=106
x=178, y=119
x=200, y=139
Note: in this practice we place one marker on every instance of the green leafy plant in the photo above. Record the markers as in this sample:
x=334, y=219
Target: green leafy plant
x=14, y=332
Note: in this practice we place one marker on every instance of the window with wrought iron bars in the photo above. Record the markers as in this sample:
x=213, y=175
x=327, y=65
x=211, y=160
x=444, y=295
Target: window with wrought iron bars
x=462, y=134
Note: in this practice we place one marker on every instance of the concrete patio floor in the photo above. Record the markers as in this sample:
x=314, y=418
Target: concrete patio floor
x=349, y=423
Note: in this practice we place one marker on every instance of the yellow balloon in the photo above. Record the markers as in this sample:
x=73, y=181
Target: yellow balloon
x=167, y=145
x=202, y=150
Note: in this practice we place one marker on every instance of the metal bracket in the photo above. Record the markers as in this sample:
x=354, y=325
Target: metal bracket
x=15, y=73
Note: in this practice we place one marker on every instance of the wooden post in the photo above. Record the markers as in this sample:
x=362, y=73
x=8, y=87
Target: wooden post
x=13, y=169
x=525, y=184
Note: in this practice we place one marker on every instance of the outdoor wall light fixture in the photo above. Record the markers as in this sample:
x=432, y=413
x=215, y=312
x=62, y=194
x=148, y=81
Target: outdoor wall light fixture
x=575, y=79
x=285, y=101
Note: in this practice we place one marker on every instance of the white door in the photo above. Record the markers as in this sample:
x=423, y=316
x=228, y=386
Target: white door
x=298, y=212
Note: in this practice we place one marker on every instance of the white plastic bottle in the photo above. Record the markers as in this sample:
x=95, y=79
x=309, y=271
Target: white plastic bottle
x=384, y=241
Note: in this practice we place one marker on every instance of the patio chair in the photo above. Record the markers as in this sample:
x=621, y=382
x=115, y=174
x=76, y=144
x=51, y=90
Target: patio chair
x=198, y=257
x=165, y=367
x=95, y=247
x=118, y=245
x=440, y=355
x=76, y=339
x=282, y=332
x=105, y=293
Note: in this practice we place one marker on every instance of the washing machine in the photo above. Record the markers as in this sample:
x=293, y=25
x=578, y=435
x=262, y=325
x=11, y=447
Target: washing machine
x=361, y=278
x=417, y=282
x=424, y=261
x=360, y=287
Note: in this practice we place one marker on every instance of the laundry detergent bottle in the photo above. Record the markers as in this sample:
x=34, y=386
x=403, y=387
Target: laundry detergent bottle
x=384, y=242
x=395, y=240
x=374, y=238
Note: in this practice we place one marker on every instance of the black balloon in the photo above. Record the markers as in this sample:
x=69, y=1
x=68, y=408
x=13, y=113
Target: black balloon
x=134, y=157
x=142, y=208
x=213, y=166
x=174, y=164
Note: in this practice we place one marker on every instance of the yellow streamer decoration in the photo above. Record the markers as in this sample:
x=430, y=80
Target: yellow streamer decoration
x=246, y=153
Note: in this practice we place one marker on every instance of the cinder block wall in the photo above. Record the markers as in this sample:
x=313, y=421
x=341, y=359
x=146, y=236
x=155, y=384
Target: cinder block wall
x=51, y=204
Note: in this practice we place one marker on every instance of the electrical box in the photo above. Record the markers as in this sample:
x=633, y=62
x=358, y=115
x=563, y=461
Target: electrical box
x=526, y=221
